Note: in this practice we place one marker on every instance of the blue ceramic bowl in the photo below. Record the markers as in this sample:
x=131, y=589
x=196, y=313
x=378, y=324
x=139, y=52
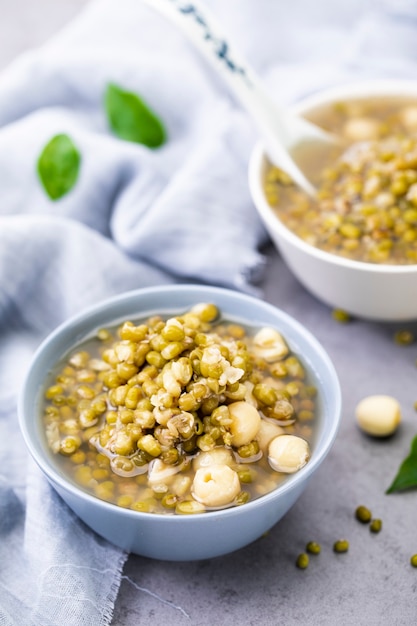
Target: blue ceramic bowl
x=170, y=537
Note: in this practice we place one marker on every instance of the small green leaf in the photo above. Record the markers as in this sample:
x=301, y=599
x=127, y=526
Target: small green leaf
x=407, y=474
x=131, y=119
x=58, y=166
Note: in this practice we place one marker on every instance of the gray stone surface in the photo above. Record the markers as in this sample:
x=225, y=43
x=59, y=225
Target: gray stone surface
x=373, y=583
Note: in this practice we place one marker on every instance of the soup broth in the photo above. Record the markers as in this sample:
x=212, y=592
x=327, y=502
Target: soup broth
x=142, y=415
x=366, y=203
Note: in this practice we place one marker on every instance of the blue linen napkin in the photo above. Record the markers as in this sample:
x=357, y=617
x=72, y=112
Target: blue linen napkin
x=135, y=217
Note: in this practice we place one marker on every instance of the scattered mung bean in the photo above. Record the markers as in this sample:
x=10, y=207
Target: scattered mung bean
x=375, y=526
x=363, y=514
x=313, y=547
x=341, y=316
x=302, y=561
x=404, y=337
x=341, y=545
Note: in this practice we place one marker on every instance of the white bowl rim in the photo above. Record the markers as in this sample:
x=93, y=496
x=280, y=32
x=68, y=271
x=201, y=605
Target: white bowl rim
x=354, y=90
x=289, y=484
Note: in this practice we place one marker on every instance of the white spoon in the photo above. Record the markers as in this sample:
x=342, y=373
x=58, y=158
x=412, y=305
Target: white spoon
x=285, y=135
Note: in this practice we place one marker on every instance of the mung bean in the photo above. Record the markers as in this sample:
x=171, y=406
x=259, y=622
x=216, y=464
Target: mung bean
x=132, y=407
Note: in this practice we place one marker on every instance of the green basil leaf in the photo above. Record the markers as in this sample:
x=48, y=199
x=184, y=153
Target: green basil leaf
x=58, y=166
x=131, y=119
x=407, y=473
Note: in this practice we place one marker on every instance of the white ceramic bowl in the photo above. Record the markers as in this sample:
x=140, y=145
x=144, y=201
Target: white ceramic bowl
x=378, y=292
x=171, y=537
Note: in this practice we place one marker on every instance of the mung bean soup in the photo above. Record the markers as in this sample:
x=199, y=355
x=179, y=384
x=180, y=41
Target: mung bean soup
x=366, y=203
x=180, y=414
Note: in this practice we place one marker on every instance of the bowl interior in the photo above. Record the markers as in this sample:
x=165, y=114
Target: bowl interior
x=308, y=106
x=172, y=300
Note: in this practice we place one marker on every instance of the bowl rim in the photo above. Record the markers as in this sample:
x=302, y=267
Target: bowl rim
x=355, y=91
x=87, y=314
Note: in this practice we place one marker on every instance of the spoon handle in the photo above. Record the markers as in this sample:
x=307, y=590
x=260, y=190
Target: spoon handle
x=281, y=131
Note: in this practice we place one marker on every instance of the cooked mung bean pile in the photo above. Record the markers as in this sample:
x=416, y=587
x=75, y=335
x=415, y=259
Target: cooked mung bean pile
x=366, y=204
x=179, y=414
